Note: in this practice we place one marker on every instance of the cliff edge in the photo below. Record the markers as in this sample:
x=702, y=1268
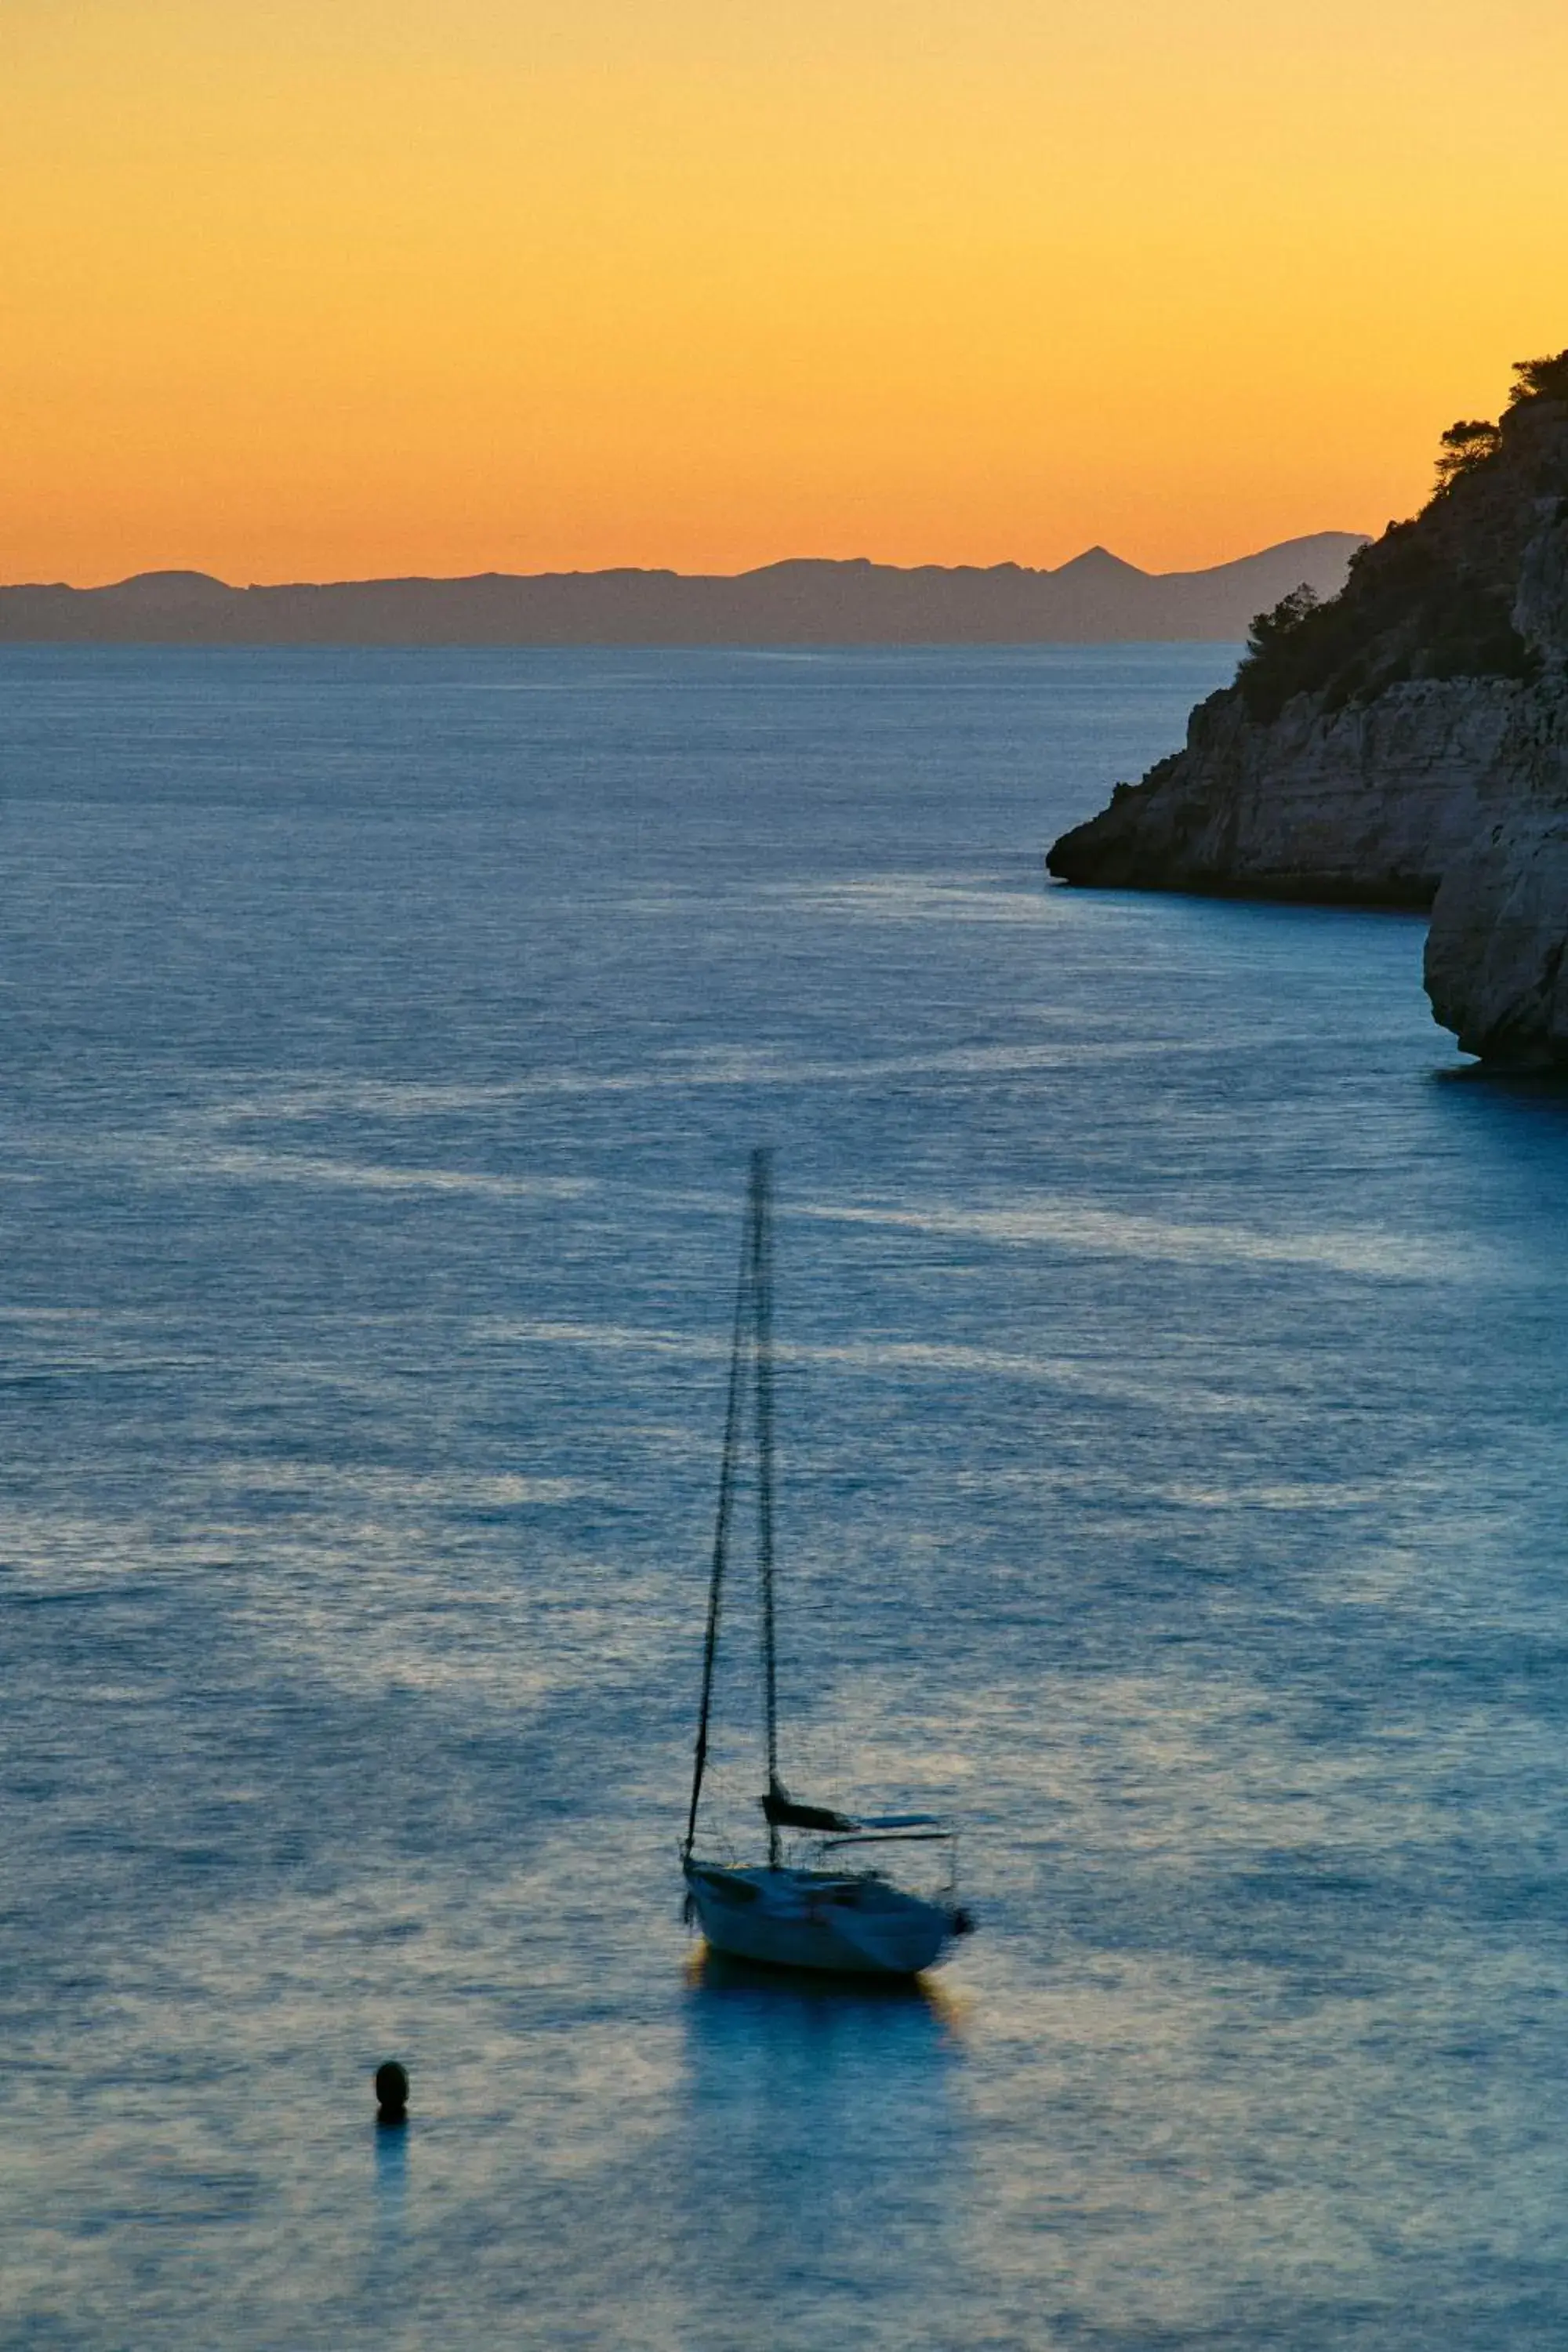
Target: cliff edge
x=1404, y=744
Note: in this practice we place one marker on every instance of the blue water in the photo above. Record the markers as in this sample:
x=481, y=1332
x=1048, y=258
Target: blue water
x=1171, y=1403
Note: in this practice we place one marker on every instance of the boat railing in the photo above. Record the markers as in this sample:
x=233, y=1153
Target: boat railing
x=890, y=1837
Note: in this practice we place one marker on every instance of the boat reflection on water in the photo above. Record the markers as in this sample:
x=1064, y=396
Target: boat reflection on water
x=827, y=2150
x=720, y=1974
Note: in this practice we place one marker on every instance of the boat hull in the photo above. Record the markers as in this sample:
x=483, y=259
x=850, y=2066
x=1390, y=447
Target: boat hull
x=811, y=1919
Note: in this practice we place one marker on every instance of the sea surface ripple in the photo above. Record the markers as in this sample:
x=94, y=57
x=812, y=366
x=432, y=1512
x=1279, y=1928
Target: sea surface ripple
x=1174, y=1351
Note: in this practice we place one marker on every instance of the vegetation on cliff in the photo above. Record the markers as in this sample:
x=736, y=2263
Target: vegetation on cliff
x=1433, y=598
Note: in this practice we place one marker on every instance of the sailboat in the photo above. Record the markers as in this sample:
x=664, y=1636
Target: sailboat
x=824, y=1903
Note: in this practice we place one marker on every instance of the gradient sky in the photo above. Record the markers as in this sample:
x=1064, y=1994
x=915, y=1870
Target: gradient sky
x=295, y=290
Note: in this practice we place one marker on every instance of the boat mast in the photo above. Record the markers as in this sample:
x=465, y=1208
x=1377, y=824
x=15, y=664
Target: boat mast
x=762, y=1308
x=743, y=1299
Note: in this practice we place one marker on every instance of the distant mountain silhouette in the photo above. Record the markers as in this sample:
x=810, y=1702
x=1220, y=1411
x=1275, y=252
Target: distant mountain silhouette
x=1095, y=599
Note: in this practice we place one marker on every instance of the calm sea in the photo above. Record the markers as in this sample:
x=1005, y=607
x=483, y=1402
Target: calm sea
x=1172, y=1432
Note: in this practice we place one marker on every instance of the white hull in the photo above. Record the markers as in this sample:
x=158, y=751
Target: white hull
x=816, y=1919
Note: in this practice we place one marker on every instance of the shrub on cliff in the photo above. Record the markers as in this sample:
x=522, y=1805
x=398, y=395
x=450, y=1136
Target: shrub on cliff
x=1405, y=616
x=1544, y=379
x=1433, y=597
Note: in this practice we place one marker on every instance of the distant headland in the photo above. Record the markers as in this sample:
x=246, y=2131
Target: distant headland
x=1404, y=743
x=1096, y=599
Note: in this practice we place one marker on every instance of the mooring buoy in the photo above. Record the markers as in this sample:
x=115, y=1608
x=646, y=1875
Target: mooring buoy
x=391, y=2093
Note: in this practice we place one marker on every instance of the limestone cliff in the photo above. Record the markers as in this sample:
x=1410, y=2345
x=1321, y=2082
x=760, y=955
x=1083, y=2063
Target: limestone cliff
x=1405, y=744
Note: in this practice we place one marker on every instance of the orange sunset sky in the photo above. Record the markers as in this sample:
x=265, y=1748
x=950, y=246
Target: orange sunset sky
x=296, y=291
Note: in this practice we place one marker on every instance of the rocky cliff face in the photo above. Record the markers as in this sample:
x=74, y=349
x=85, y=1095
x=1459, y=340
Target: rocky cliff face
x=1406, y=744
x=1370, y=803
x=1495, y=953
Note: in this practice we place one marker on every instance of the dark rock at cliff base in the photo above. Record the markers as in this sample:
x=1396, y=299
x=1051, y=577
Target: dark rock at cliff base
x=1406, y=744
